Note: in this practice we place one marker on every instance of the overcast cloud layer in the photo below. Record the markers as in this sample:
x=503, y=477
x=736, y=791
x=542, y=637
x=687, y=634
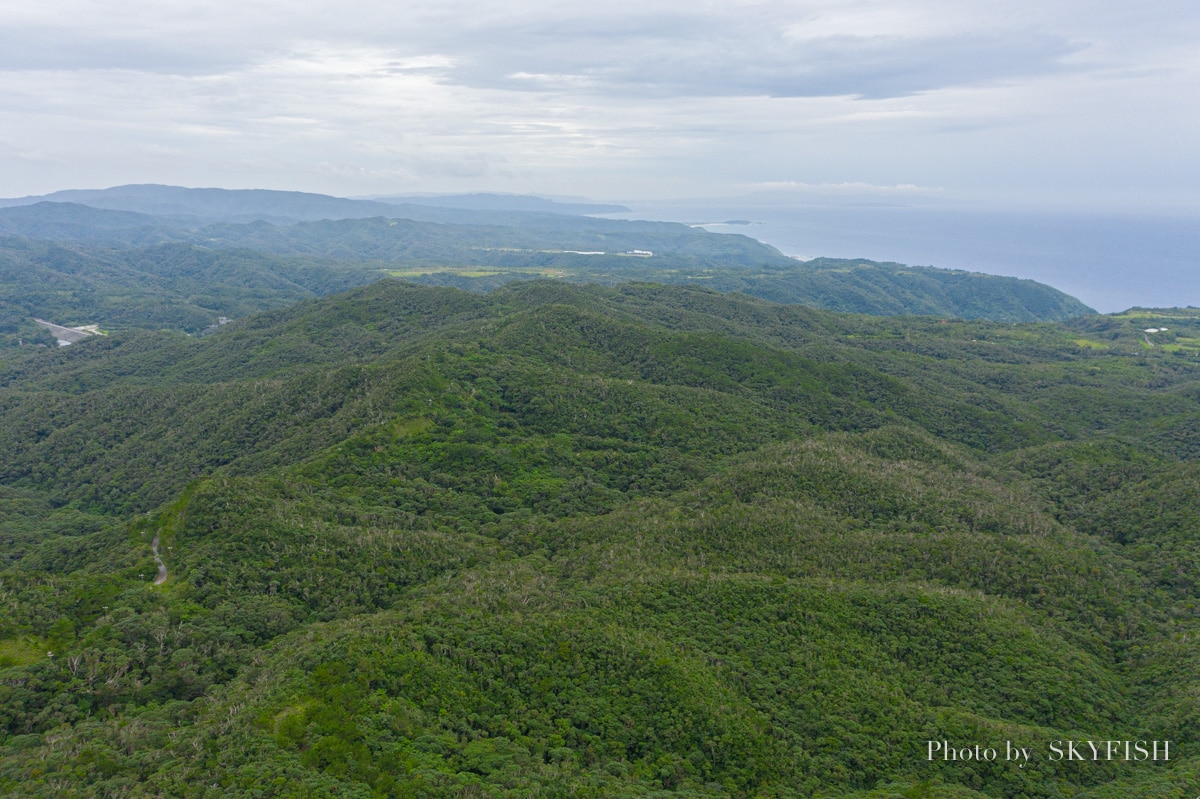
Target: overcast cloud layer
x=1054, y=102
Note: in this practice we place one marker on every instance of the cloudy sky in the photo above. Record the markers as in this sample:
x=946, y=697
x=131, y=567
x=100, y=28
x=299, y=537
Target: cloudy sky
x=1076, y=103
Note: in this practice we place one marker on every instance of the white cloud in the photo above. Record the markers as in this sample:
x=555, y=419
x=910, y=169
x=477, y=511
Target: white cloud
x=618, y=99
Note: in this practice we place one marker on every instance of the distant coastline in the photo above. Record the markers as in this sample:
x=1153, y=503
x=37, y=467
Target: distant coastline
x=1110, y=262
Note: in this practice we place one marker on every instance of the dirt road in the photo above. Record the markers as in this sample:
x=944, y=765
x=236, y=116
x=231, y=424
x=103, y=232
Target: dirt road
x=162, y=567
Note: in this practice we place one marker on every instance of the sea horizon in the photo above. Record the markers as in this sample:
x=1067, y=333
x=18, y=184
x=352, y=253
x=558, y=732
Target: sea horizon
x=1110, y=261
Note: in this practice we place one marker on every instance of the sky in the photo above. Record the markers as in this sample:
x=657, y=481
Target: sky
x=1012, y=103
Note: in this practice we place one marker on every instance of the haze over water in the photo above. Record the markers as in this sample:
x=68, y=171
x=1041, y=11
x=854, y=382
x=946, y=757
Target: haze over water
x=1111, y=262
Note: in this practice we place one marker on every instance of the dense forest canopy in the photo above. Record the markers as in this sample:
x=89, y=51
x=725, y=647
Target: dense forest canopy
x=591, y=540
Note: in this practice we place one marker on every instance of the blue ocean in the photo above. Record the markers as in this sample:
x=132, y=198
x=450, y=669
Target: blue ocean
x=1111, y=262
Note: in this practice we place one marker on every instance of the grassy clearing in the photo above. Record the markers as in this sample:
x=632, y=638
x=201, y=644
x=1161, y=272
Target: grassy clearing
x=22, y=651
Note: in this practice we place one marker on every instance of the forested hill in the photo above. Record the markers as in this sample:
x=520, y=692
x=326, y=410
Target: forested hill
x=164, y=257
x=626, y=541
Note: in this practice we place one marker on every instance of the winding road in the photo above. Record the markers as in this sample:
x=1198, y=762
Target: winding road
x=162, y=567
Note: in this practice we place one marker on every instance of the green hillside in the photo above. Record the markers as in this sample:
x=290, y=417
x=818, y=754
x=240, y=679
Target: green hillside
x=561, y=540
x=167, y=258
x=166, y=286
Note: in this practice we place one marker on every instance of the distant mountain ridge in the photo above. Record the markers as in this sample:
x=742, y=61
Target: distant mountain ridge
x=117, y=255
x=177, y=201
x=247, y=204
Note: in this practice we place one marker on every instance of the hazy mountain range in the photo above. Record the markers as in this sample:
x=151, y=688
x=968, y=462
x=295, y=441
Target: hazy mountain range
x=160, y=256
